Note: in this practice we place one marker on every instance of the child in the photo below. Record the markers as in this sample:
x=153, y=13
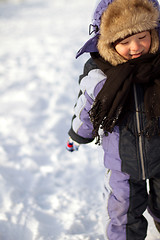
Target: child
x=119, y=105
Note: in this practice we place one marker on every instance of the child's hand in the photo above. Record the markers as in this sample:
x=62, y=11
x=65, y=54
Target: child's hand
x=72, y=145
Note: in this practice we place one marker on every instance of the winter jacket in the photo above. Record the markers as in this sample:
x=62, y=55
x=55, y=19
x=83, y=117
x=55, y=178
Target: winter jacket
x=125, y=149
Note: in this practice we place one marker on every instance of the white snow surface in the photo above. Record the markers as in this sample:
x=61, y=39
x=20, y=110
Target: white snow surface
x=46, y=192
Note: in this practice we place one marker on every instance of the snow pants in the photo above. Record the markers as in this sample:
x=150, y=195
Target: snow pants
x=125, y=201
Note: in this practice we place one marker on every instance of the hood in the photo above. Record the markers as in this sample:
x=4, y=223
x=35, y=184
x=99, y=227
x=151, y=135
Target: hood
x=91, y=44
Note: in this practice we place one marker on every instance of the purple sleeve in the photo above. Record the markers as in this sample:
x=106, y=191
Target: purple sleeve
x=82, y=129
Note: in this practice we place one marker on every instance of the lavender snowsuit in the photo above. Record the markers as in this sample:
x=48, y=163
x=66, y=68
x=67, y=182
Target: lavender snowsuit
x=129, y=157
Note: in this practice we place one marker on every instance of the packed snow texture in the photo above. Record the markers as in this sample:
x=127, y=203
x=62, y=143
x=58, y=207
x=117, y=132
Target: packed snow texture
x=46, y=193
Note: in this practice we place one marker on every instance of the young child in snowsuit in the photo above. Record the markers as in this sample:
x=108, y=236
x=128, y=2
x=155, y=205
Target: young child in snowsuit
x=119, y=105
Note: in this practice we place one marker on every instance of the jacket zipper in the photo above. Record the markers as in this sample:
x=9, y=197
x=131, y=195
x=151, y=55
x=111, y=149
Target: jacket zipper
x=139, y=134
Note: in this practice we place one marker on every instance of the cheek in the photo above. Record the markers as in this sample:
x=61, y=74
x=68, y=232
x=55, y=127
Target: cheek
x=147, y=45
x=122, y=50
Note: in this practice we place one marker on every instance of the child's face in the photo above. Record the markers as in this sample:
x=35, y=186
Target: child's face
x=134, y=46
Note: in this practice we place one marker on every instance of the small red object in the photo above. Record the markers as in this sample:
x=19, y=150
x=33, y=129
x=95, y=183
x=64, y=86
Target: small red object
x=70, y=146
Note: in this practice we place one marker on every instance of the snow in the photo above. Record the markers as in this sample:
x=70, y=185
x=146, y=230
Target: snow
x=46, y=193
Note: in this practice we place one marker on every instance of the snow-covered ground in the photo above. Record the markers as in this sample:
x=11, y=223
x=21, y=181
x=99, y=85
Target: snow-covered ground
x=46, y=193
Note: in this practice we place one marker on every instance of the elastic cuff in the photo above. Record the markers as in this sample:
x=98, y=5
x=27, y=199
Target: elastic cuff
x=78, y=138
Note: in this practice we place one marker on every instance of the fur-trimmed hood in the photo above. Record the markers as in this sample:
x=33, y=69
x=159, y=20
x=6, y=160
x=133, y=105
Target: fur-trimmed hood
x=91, y=44
x=123, y=18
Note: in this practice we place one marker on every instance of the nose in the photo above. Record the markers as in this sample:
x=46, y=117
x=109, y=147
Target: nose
x=135, y=46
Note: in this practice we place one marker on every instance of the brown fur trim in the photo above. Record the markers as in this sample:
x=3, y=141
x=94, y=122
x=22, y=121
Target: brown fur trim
x=155, y=41
x=123, y=18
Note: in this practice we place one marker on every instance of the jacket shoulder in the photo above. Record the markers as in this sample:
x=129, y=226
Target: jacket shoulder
x=92, y=79
x=88, y=66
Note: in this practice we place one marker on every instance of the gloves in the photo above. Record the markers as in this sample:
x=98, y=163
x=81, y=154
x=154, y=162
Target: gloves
x=72, y=145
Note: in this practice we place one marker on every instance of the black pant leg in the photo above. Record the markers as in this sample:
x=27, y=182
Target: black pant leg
x=137, y=224
x=154, y=198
